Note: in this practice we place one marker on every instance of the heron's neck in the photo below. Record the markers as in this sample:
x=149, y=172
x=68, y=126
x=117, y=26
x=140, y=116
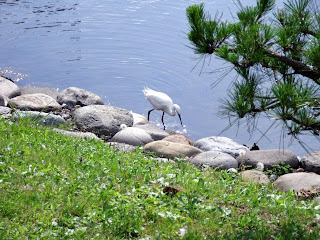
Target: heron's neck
x=172, y=111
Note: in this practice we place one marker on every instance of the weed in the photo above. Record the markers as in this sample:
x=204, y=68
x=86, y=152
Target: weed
x=279, y=169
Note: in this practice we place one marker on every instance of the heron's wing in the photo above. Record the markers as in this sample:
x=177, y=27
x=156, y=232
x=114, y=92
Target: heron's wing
x=159, y=100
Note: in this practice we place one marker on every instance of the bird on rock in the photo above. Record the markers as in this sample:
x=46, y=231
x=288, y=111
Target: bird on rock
x=162, y=102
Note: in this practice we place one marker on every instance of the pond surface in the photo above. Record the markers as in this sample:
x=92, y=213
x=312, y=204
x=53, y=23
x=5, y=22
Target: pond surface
x=116, y=48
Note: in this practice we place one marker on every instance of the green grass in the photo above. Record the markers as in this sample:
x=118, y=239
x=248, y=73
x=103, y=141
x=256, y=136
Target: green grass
x=58, y=187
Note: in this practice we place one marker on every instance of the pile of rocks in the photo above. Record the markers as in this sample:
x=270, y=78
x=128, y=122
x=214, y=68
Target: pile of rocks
x=125, y=130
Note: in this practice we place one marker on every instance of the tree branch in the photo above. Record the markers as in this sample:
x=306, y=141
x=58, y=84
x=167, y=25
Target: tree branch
x=299, y=67
x=315, y=127
x=310, y=32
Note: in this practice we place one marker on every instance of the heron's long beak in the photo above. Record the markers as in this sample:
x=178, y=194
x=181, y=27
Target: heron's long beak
x=180, y=119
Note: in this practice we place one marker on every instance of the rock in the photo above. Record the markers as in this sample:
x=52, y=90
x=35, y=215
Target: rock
x=273, y=177
x=3, y=100
x=221, y=144
x=171, y=132
x=297, y=181
x=299, y=170
x=178, y=138
x=269, y=158
x=73, y=96
x=215, y=159
x=77, y=134
x=311, y=162
x=52, y=92
x=254, y=147
x=102, y=119
x=122, y=147
x=307, y=193
x=133, y=136
x=255, y=176
x=66, y=114
x=170, y=149
x=39, y=117
x=5, y=110
x=155, y=132
x=138, y=119
x=35, y=102
x=173, y=189
x=8, y=88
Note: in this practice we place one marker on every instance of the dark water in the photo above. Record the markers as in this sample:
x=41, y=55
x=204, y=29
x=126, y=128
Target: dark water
x=115, y=49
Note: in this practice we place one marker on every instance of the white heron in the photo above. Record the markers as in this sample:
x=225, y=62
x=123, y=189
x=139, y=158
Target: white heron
x=162, y=102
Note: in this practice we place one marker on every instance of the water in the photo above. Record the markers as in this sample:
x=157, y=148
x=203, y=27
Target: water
x=115, y=49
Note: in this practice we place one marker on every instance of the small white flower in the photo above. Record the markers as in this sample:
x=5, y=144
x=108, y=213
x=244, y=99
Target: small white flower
x=161, y=214
x=232, y=170
x=260, y=166
x=317, y=207
x=170, y=175
x=182, y=231
x=161, y=180
x=69, y=232
x=242, y=153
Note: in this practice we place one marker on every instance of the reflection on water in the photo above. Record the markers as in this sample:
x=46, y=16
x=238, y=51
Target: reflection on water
x=115, y=49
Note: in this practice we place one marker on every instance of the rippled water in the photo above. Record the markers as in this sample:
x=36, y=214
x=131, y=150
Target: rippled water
x=115, y=49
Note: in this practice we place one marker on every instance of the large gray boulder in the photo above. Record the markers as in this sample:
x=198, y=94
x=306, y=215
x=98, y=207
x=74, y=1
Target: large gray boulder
x=255, y=176
x=8, y=88
x=39, y=117
x=297, y=181
x=35, y=102
x=215, y=159
x=133, y=136
x=102, y=119
x=171, y=150
x=73, y=96
x=221, y=144
x=52, y=92
x=311, y=162
x=88, y=135
x=138, y=119
x=178, y=138
x=155, y=132
x=269, y=158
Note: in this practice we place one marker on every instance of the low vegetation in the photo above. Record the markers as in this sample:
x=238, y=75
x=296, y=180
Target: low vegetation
x=58, y=187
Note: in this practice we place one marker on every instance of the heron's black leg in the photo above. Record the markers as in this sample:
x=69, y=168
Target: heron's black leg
x=149, y=113
x=164, y=127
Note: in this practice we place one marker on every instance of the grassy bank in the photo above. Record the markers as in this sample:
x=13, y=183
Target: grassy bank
x=58, y=187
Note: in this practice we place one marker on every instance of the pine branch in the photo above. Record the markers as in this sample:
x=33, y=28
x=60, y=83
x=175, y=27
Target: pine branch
x=315, y=127
x=298, y=67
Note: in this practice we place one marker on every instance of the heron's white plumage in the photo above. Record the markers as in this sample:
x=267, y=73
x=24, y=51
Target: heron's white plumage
x=161, y=101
